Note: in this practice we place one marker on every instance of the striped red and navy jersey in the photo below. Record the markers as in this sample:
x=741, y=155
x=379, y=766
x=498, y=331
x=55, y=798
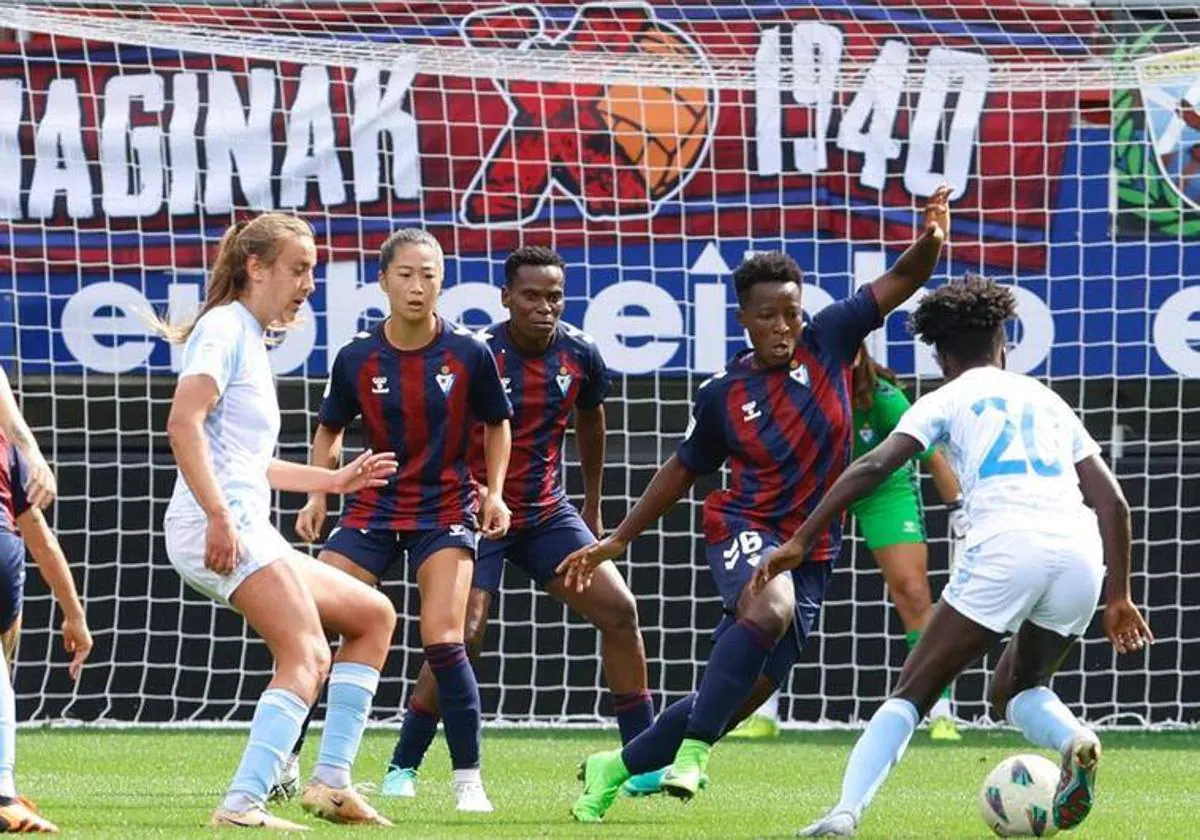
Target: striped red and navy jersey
x=543, y=389
x=420, y=404
x=13, y=471
x=786, y=431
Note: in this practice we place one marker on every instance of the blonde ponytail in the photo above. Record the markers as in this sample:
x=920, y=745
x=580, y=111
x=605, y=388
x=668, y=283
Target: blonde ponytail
x=258, y=237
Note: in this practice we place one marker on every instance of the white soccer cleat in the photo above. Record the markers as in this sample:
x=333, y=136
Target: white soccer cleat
x=288, y=784
x=256, y=817
x=470, y=798
x=837, y=824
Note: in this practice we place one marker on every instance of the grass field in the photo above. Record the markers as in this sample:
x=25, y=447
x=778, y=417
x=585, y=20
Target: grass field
x=121, y=784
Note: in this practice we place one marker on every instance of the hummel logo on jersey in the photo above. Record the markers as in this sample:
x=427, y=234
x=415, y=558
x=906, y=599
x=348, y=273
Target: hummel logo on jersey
x=506, y=381
x=750, y=411
x=445, y=380
x=459, y=531
x=379, y=385
x=564, y=382
x=800, y=374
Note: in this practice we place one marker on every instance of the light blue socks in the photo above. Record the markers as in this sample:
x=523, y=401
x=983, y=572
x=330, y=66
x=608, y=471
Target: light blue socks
x=276, y=724
x=8, y=732
x=1043, y=719
x=882, y=745
x=352, y=687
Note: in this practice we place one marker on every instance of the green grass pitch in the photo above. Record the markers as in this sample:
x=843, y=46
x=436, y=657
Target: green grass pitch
x=122, y=784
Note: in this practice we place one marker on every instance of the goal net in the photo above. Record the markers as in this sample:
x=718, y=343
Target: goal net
x=654, y=144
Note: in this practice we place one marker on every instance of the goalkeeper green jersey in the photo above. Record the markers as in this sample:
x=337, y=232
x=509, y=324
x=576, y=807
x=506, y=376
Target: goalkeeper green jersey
x=871, y=427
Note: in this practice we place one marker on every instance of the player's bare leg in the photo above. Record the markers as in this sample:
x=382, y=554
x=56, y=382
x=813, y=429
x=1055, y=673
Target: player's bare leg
x=421, y=719
x=1020, y=692
x=950, y=643
x=365, y=620
x=278, y=606
x=444, y=580
x=904, y=568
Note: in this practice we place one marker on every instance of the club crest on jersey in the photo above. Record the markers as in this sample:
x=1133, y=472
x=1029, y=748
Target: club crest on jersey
x=799, y=373
x=867, y=434
x=445, y=380
x=750, y=411
x=379, y=385
x=506, y=381
x=564, y=380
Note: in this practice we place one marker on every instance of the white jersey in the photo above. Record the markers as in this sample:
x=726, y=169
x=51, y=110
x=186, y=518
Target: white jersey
x=242, y=430
x=1013, y=444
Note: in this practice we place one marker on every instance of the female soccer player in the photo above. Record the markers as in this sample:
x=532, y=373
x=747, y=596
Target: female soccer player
x=550, y=369
x=420, y=385
x=780, y=412
x=23, y=526
x=223, y=428
x=1034, y=559
x=41, y=488
x=891, y=524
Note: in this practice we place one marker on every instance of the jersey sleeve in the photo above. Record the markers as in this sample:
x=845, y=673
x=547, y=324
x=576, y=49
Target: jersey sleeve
x=486, y=395
x=928, y=421
x=891, y=404
x=18, y=473
x=214, y=348
x=843, y=324
x=596, y=383
x=340, y=404
x=1083, y=445
x=703, y=449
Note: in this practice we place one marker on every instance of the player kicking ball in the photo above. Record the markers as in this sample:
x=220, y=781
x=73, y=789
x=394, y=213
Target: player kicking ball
x=22, y=527
x=549, y=369
x=780, y=413
x=1034, y=559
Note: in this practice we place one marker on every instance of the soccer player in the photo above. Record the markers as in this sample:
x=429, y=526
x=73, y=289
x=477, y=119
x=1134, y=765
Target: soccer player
x=420, y=385
x=223, y=428
x=549, y=368
x=780, y=413
x=41, y=487
x=1034, y=561
x=22, y=526
x=891, y=523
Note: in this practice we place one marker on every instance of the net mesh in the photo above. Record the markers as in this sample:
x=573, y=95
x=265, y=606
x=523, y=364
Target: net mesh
x=654, y=145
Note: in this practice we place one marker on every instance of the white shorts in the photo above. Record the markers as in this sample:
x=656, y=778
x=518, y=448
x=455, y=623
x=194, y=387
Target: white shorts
x=1050, y=580
x=261, y=545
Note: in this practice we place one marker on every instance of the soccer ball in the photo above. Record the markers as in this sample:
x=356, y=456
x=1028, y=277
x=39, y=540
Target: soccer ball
x=1017, y=797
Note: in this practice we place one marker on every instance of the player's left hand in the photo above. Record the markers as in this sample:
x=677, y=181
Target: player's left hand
x=77, y=639
x=783, y=559
x=41, y=487
x=1125, y=627
x=580, y=566
x=591, y=518
x=937, y=213
x=495, y=517
x=369, y=469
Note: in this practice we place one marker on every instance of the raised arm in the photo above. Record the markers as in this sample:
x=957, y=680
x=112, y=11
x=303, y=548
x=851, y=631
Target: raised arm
x=590, y=430
x=41, y=485
x=52, y=564
x=914, y=267
x=1123, y=624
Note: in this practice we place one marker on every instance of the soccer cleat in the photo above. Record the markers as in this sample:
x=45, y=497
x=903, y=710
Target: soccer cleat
x=471, y=798
x=339, y=805
x=603, y=774
x=288, y=784
x=944, y=729
x=20, y=816
x=1077, y=785
x=399, y=781
x=755, y=726
x=650, y=784
x=682, y=779
x=256, y=817
x=837, y=824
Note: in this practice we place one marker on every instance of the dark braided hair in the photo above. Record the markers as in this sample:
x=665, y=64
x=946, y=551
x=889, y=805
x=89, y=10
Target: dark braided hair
x=965, y=318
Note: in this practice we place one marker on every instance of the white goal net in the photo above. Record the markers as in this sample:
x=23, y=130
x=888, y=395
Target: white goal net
x=653, y=144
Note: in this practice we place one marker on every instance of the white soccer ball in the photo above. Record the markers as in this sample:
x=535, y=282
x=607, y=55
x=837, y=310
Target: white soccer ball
x=1017, y=797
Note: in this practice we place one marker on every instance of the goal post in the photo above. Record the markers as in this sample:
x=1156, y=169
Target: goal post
x=654, y=144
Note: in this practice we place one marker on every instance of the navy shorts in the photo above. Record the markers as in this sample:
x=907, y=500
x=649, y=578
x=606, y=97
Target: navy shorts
x=377, y=549
x=12, y=578
x=536, y=550
x=734, y=562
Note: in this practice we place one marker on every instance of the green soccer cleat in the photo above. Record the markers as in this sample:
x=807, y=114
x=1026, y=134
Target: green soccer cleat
x=682, y=779
x=944, y=729
x=603, y=774
x=650, y=784
x=400, y=782
x=755, y=726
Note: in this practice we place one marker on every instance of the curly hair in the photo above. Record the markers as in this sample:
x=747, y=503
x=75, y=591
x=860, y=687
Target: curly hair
x=765, y=267
x=531, y=255
x=965, y=318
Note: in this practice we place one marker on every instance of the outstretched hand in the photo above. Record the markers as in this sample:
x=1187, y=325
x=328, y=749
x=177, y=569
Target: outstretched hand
x=369, y=469
x=783, y=559
x=937, y=212
x=1125, y=627
x=580, y=566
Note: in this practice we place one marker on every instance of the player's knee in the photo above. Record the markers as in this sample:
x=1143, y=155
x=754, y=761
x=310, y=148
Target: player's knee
x=619, y=616
x=308, y=665
x=379, y=616
x=911, y=596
